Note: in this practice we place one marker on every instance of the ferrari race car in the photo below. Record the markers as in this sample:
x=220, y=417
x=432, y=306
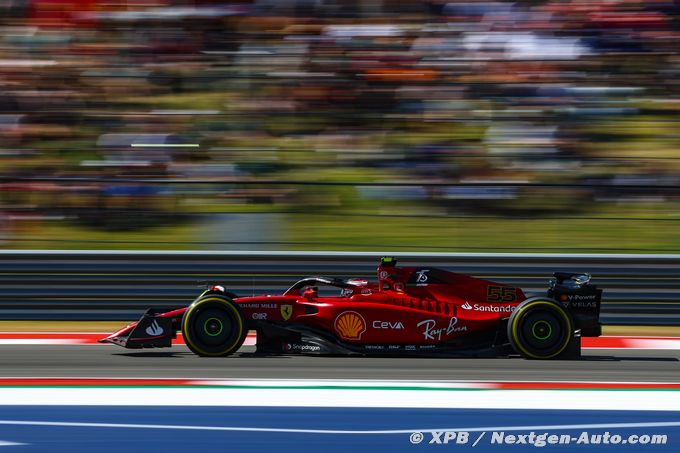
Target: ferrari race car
x=409, y=311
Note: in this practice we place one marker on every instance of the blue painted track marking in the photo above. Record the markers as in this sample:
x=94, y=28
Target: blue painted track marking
x=100, y=439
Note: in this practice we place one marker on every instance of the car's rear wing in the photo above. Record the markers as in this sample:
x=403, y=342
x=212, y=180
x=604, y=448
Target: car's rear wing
x=581, y=298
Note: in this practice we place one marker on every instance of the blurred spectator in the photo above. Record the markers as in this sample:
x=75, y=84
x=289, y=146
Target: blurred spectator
x=421, y=91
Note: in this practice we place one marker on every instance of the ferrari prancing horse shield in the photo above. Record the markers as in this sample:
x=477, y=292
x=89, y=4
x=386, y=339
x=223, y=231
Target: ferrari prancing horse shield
x=286, y=311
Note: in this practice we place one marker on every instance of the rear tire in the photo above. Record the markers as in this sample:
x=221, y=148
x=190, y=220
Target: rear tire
x=214, y=326
x=540, y=328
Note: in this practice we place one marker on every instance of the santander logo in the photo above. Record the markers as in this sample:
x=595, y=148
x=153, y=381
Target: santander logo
x=488, y=308
x=154, y=329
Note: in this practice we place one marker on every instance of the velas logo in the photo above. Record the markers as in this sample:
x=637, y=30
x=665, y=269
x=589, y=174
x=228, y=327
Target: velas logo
x=580, y=301
x=350, y=325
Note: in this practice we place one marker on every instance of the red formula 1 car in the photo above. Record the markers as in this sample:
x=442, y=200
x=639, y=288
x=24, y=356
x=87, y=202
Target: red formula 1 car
x=409, y=311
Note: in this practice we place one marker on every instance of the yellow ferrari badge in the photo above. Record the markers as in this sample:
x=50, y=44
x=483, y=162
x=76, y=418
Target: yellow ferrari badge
x=286, y=311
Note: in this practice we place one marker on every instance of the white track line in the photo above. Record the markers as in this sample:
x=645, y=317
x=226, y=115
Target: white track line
x=628, y=400
x=39, y=341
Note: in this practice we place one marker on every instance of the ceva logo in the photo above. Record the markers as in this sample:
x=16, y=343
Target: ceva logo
x=388, y=325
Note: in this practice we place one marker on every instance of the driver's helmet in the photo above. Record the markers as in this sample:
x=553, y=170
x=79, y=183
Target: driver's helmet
x=356, y=285
x=310, y=292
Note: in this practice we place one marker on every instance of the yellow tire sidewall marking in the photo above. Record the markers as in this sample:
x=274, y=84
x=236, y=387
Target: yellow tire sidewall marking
x=194, y=306
x=519, y=316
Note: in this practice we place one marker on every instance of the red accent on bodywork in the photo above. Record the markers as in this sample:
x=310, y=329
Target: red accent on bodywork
x=428, y=306
x=124, y=332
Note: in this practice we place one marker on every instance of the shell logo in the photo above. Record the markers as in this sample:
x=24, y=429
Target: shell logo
x=350, y=325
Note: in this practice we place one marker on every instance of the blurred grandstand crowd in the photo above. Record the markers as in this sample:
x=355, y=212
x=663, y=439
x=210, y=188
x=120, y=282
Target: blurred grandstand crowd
x=578, y=93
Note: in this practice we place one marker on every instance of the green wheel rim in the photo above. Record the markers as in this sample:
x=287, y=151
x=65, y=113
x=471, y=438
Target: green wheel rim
x=209, y=329
x=538, y=327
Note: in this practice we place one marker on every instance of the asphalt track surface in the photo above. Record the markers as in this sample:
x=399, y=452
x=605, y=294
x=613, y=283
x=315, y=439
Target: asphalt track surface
x=112, y=361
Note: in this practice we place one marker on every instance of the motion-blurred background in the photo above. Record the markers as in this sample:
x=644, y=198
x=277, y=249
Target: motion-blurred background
x=340, y=124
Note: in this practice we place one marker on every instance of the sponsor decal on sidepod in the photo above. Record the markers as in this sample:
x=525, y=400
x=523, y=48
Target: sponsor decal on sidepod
x=432, y=332
x=388, y=325
x=488, y=308
x=258, y=305
x=302, y=347
x=350, y=325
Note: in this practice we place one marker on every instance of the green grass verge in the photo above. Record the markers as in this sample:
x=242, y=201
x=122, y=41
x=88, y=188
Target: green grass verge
x=388, y=226
x=492, y=234
x=51, y=235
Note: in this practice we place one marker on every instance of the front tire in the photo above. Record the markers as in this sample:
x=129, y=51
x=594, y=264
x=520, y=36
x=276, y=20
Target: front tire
x=214, y=326
x=540, y=328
